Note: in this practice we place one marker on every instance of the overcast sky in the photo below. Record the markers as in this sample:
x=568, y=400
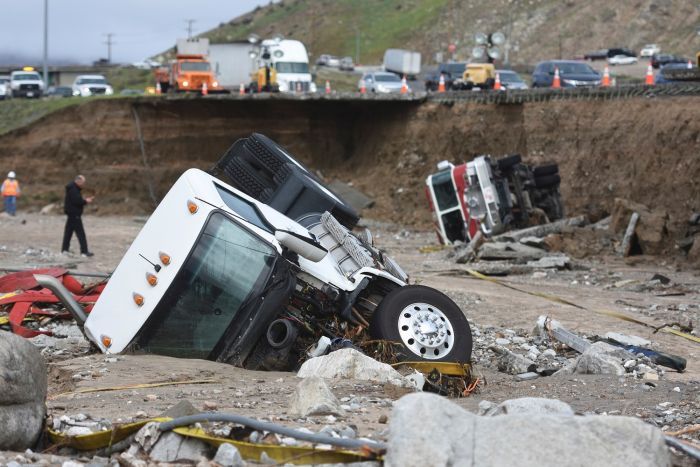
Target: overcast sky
x=141, y=28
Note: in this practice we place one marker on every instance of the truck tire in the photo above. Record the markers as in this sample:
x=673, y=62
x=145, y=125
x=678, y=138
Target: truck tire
x=508, y=162
x=547, y=169
x=247, y=179
x=428, y=324
x=547, y=181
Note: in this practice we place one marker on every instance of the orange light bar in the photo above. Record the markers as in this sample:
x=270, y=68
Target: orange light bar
x=164, y=258
x=138, y=299
x=106, y=341
x=151, y=279
x=192, y=206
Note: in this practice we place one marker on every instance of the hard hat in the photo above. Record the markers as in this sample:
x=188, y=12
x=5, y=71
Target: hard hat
x=11, y=174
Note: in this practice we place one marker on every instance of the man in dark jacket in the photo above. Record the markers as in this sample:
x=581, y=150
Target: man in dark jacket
x=73, y=207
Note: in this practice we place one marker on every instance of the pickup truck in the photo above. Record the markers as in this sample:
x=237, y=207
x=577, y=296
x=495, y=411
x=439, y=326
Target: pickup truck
x=451, y=72
x=26, y=83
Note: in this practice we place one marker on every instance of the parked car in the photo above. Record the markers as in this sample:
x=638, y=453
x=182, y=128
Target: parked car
x=649, y=50
x=322, y=60
x=60, y=91
x=346, y=64
x=4, y=86
x=450, y=71
x=381, y=82
x=90, y=85
x=621, y=51
x=659, y=60
x=511, y=80
x=601, y=54
x=677, y=73
x=622, y=60
x=571, y=73
x=26, y=83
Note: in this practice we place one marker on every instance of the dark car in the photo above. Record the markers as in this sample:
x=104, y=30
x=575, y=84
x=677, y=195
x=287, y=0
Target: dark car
x=451, y=72
x=601, y=54
x=60, y=91
x=571, y=73
x=676, y=73
x=659, y=60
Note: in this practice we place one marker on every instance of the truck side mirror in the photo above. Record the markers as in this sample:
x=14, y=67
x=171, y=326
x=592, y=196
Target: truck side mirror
x=303, y=246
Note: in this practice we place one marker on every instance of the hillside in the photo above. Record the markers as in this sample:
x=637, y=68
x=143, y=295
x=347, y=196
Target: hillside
x=538, y=29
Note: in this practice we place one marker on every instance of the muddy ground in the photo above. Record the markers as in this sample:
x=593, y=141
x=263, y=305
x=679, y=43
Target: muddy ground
x=671, y=403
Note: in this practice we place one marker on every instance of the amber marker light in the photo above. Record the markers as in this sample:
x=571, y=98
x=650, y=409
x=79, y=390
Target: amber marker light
x=164, y=258
x=106, y=341
x=152, y=279
x=138, y=299
x=192, y=206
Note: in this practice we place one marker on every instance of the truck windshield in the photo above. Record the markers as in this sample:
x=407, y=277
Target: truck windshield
x=444, y=190
x=387, y=78
x=91, y=81
x=26, y=77
x=292, y=67
x=195, y=66
x=228, y=264
x=455, y=68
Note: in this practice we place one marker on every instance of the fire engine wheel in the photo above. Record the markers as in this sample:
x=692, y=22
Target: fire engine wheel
x=427, y=322
x=548, y=169
x=547, y=181
x=508, y=162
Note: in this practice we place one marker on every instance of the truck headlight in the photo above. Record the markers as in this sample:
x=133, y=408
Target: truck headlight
x=215, y=84
x=283, y=85
x=185, y=83
x=85, y=91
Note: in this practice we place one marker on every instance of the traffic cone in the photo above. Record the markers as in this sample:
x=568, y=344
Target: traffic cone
x=606, y=78
x=556, y=82
x=441, y=84
x=690, y=64
x=363, y=88
x=159, y=90
x=205, y=90
x=241, y=90
x=649, y=81
x=404, y=85
x=328, y=87
x=497, y=83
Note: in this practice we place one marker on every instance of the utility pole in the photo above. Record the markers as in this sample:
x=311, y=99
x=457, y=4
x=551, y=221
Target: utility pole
x=357, y=45
x=189, y=22
x=46, y=44
x=109, y=43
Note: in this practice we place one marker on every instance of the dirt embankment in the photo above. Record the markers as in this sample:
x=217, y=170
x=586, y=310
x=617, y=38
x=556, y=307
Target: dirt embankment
x=645, y=150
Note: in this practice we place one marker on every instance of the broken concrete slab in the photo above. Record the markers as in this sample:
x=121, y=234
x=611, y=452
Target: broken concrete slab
x=352, y=195
x=23, y=386
x=172, y=447
x=627, y=339
x=313, y=397
x=468, y=253
x=651, y=229
x=512, y=363
x=351, y=364
x=228, y=456
x=551, y=262
x=602, y=358
x=509, y=251
x=447, y=434
x=541, y=230
x=535, y=242
x=626, y=245
x=533, y=406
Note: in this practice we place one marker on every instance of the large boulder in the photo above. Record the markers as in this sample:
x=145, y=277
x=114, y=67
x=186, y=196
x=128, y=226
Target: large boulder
x=22, y=392
x=313, y=397
x=351, y=364
x=531, y=405
x=427, y=429
x=651, y=231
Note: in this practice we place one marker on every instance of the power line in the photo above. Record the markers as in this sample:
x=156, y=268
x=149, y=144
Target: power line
x=109, y=43
x=189, y=22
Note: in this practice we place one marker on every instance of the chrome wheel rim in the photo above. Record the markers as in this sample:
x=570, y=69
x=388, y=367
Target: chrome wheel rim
x=426, y=331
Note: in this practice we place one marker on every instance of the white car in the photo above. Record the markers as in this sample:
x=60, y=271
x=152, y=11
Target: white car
x=4, y=86
x=381, y=82
x=622, y=60
x=649, y=50
x=91, y=85
x=26, y=83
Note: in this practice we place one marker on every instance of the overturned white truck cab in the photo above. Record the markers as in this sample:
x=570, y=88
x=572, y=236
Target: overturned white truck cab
x=217, y=274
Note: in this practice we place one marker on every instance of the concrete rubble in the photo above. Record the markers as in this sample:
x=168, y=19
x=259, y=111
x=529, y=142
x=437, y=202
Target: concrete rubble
x=458, y=437
x=313, y=397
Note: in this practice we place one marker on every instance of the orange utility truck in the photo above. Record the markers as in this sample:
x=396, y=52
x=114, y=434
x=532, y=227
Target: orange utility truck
x=190, y=71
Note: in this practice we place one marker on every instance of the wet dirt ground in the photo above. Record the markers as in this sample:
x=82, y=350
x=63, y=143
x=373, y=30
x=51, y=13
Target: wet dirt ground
x=33, y=240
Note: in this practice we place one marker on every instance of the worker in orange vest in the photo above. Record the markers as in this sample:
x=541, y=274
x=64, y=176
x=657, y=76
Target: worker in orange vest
x=10, y=192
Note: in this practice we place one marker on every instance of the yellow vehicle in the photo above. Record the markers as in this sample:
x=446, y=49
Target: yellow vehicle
x=477, y=75
x=264, y=80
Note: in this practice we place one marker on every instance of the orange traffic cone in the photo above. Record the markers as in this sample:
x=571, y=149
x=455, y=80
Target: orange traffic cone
x=205, y=90
x=441, y=84
x=241, y=90
x=159, y=90
x=556, y=82
x=328, y=87
x=404, y=85
x=606, y=78
x=649, y=81
x=497, y=83
x=363, y=87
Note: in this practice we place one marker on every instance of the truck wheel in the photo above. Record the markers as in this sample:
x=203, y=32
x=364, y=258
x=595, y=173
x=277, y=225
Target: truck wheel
x=547, y=169
x=271, y=156
x=247, y=178
x=427, y=322
x=547, y=181
x=509, y=162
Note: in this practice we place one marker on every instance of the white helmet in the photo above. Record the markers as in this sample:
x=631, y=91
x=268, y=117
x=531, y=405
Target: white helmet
x=11, y=174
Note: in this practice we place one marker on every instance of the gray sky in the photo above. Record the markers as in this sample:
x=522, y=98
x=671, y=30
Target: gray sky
x=76, y=27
